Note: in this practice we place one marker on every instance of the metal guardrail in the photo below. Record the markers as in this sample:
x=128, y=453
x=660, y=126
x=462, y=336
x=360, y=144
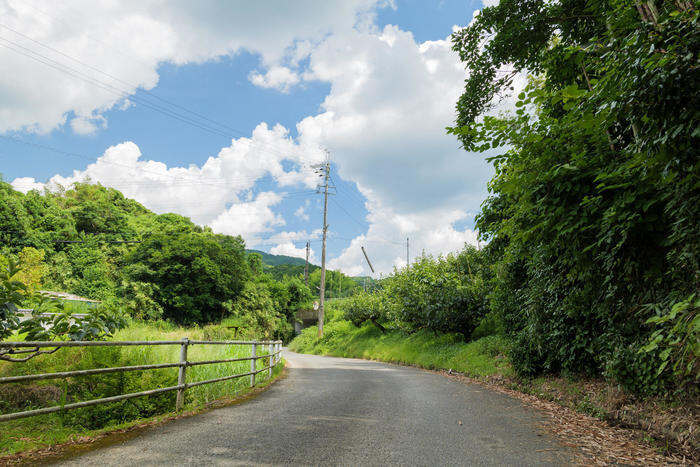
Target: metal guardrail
x=273, y=356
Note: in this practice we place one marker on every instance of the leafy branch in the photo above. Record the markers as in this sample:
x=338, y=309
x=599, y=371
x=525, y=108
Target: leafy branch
x=49, y=319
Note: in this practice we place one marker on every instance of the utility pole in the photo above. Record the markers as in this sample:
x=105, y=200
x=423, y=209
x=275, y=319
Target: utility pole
x=407, y=257
x=324, y=170
x=306, y=266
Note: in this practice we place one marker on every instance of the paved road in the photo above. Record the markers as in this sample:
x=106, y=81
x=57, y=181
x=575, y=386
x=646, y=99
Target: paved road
x=350, y=412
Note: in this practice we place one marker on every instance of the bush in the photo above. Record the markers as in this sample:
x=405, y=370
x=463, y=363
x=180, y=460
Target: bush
x=594, y=201
x=439, y=295
x=255, y=310
x=366, y=306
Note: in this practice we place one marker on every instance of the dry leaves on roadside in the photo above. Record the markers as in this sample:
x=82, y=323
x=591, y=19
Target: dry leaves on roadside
x=597, y=442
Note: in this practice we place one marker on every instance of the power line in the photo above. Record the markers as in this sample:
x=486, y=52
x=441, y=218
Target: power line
x=351, y=196
x=213, y=182
x=122, y=94
x=107, y=87
x=136, y=86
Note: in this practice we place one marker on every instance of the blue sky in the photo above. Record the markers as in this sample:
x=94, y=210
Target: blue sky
x=374, y=83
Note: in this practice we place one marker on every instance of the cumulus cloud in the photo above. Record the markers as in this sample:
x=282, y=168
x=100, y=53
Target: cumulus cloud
x=289, y=249
x=130, y=39
x=219, y=193
x=26, y=184
x=276, y=77
x=430, y=232
x=383, y=121
x=251, y=218
x=385, y=117
x=88, y=125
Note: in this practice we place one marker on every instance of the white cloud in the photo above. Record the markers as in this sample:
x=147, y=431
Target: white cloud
x=276, y=77
x=385, y=117
x=301, y=211
x=26, y=184
x=289, y=249
x=130, y=39
x=432, y=232
x=249, y=219
x=88, y=125
x=219, y=193
x=384, y=123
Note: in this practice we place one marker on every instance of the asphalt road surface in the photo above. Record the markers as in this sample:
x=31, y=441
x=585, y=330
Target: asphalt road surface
x=350, y=412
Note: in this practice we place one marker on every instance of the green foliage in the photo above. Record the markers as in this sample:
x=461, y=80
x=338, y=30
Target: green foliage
x=192, y=275
x=483, y=357
x=364, y=306
x=593, y=209
x=138, y=299
x=338, y=285
x=255, y=263
x=255, y=309
x=49, y=429
x=444, y=294
x=440, y=294
x=50, y=319
x=676, y=340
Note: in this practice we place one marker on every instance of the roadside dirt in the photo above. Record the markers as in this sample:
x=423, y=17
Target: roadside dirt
x=598, y=441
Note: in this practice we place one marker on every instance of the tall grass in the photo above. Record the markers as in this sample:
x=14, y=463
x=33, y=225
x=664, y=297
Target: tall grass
x=47, y=429
x=483, y=357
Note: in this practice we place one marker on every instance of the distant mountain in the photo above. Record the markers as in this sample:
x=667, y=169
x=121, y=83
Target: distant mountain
x=277, y=260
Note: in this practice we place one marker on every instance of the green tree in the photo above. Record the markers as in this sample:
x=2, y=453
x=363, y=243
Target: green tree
x=193, y=274
x=49, y=319
x=437, y=294
x=366, y=306
x=255, y=309
x=595, y=194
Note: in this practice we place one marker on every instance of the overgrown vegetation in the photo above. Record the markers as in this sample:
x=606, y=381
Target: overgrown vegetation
x=43, y=430
x=151, y=273
x=592, y=217
x=91, y=241
x=591, y=263
x=483, y=357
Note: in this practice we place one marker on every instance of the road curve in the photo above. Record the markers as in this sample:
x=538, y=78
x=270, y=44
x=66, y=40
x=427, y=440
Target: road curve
x=347, y=411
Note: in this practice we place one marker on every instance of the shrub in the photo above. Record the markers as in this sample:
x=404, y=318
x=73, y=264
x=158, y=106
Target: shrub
x=438, y=295
x=366, y=306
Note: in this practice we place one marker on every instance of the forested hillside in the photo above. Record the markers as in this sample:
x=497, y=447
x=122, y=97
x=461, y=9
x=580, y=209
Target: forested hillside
x=92, y=241
x=277, y=260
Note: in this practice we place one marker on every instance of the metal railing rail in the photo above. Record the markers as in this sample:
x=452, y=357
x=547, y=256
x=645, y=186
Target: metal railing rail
x=273, y=356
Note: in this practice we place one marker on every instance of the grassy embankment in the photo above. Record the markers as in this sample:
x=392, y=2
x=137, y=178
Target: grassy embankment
x=480, y=358
x=45, y=430
x=670, y=421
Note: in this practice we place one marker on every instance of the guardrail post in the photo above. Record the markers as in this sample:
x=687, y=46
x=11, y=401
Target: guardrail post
x=271, y=360
x=253, y=366
x=182, y=375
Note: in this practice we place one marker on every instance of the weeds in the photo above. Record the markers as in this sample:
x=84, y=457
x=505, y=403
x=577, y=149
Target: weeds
x=34, y=432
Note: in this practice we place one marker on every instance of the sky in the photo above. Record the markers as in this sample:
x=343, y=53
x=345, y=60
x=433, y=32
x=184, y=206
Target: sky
x=218, y=111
